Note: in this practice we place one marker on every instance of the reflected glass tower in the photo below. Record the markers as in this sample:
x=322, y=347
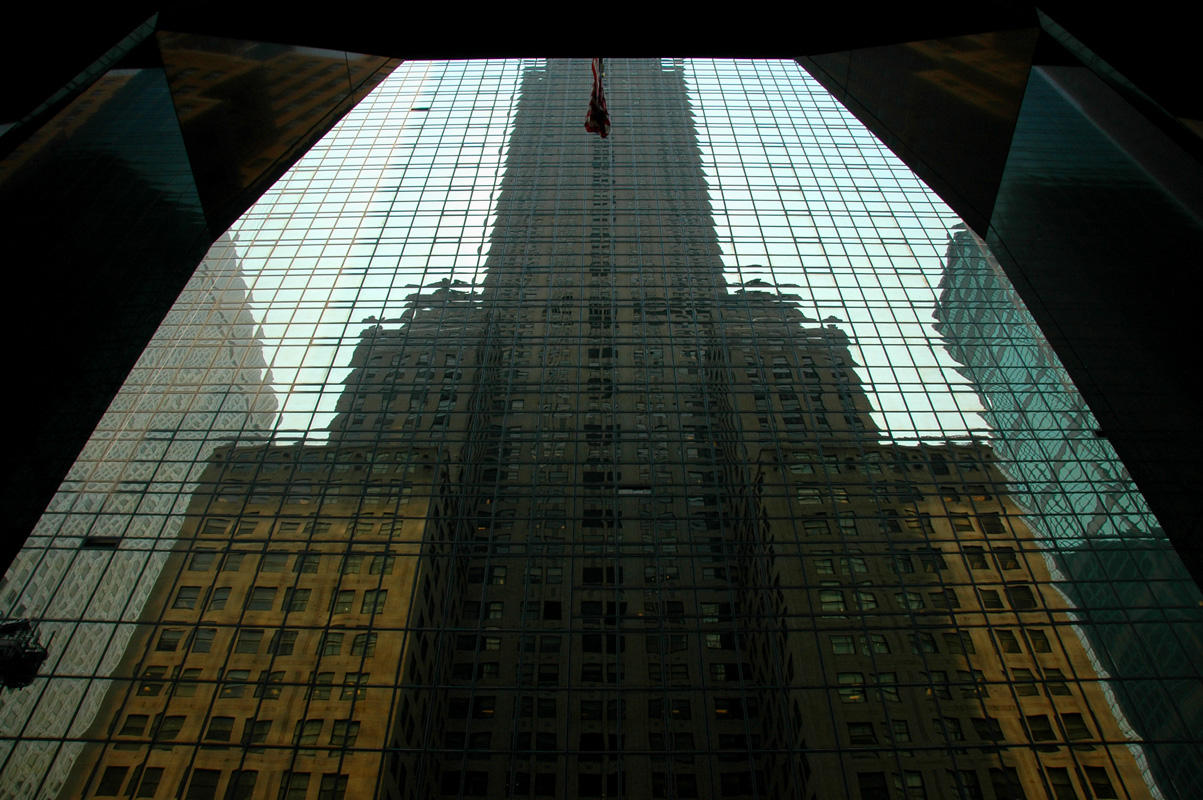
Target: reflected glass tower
x=602, y=499
x=1141, y=612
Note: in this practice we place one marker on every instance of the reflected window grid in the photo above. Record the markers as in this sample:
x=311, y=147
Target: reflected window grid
x=827, y=532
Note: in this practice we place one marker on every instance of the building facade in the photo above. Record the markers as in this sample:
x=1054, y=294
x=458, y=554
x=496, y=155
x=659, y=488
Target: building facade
x=603, y=520
x=92, y=562
x=1115, y=563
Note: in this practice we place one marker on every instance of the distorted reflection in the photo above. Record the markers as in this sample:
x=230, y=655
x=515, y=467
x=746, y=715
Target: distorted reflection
x=574, y=493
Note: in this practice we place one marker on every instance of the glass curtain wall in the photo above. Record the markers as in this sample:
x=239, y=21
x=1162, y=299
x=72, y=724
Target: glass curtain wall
x=486, y=457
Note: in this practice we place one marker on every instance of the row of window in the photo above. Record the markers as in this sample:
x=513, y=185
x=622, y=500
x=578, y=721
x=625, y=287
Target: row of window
x=263, y=598
x=473, y=783
x=307, y=563
x=1004, y=781
x=343, y=732
x=593, y=744
x=251, y=640
x=724, y=708
x=1019, y=597
x=269, y=684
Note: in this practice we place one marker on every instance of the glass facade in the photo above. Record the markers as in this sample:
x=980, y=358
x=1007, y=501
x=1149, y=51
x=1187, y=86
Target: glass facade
x=484, y=457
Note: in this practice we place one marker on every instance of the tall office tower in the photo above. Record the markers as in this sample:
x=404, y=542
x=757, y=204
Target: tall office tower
x=603, y=524
x=270, y=652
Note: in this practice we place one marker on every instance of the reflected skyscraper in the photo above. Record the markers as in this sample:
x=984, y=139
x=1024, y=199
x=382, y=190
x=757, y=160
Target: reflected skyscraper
x=1141, y=612
x=603, y=524
x=92, y=562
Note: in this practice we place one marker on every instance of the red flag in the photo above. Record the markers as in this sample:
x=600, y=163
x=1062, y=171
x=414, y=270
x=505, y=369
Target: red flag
x=598, y=119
